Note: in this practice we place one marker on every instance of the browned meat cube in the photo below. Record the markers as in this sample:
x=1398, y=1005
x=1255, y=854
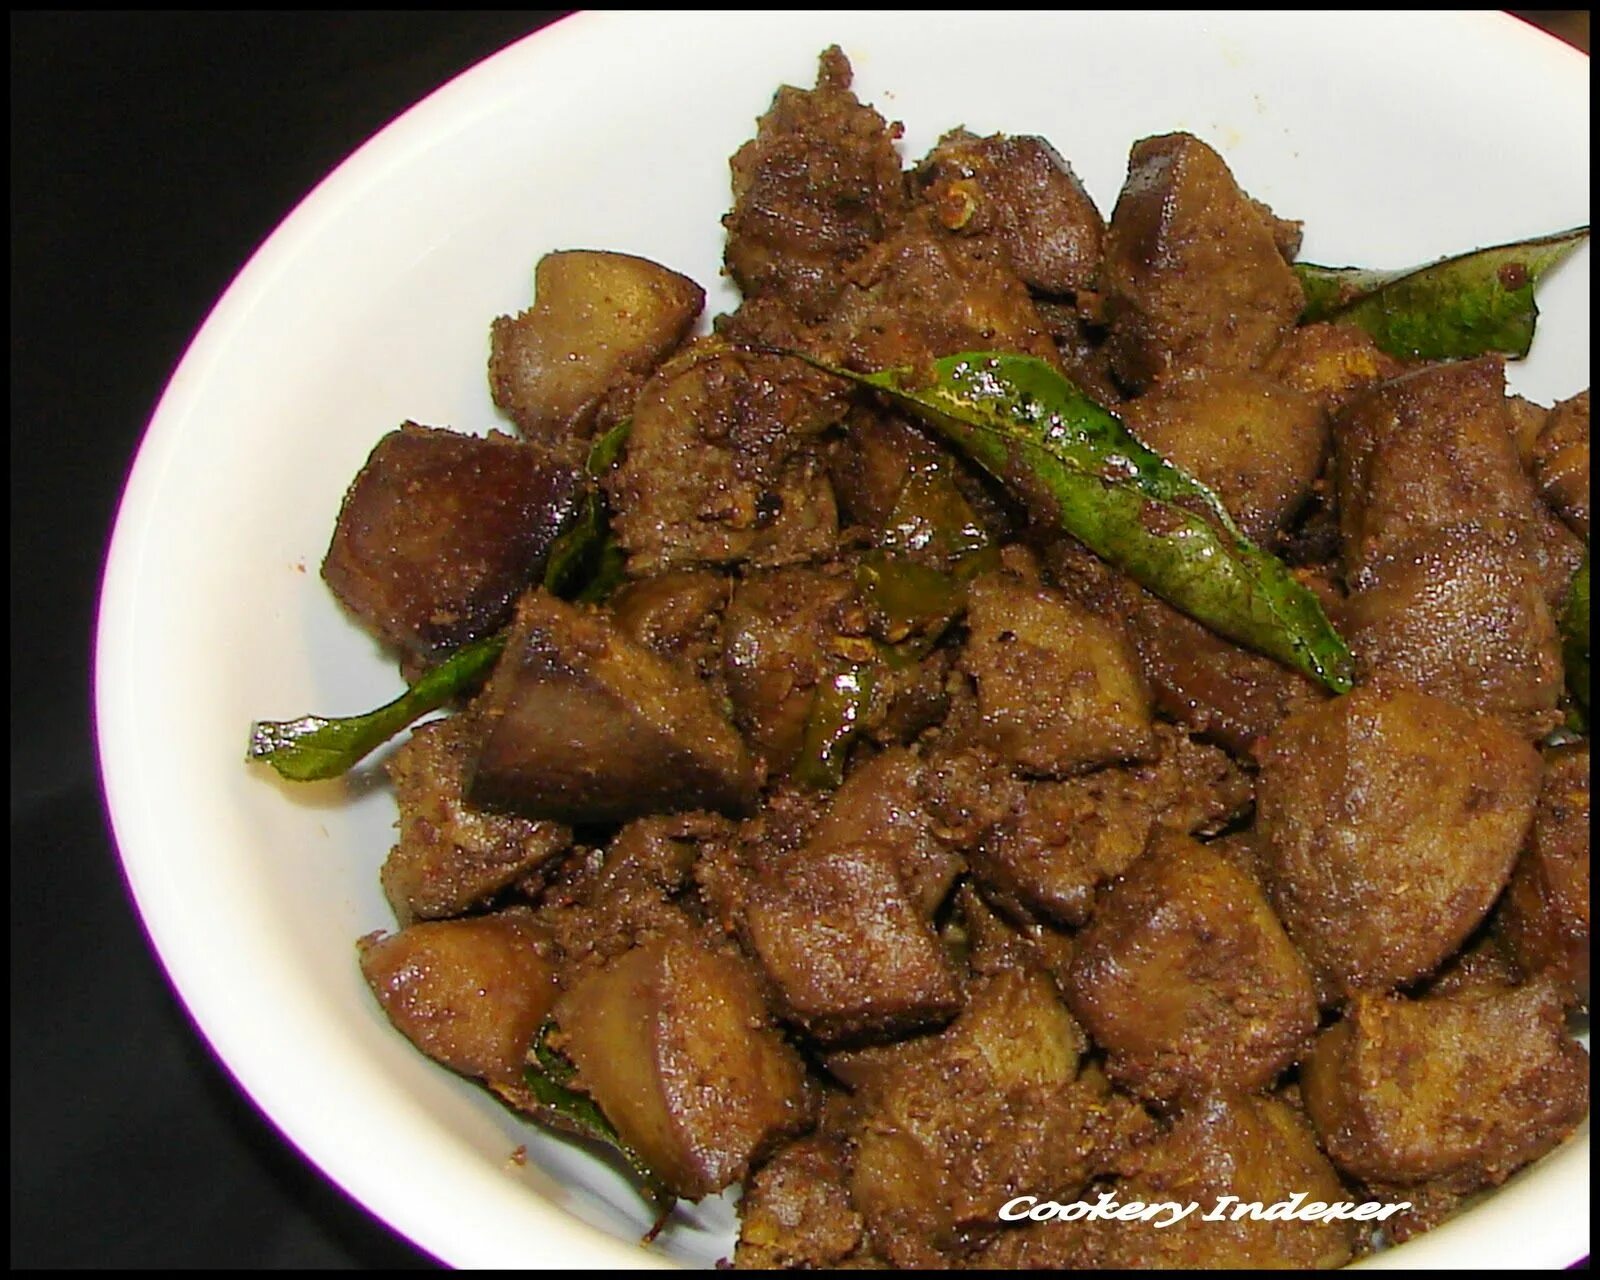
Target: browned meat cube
x=1390, y=823
x=1482, y=966
x=796, y=1212
x=1213, y=687
x=965, y=1120
x=1436, y=448
x=1187, y=979
x=1544, y=917
x=441, y=532
x=1258, y=1150
x=840, y=921
x=818, y=183
x=1561, y=462
x=1020, y=195
x=1258, y=444
x=721, y=466
x=1331, y=363
x=677, y=616
x=924, y=293
x=469, y=993
x=1193, y=275
x=781, y=638
x=452, y=857
x=597, y=319
x=674, y=1044
x=1059, y=690
x=585, y=725
x=1065, y=839
x=1464, y=618
x=1465, y=1089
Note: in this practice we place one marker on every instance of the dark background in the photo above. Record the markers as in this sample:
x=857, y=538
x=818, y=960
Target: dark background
x=151, y=154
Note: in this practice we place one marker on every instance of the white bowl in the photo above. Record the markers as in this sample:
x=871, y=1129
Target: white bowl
x=1395, y=137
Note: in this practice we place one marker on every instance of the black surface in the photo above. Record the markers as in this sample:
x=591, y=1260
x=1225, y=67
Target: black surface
x=151, y=154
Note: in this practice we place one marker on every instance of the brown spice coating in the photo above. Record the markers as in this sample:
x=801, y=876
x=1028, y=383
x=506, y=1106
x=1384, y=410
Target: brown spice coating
x=1434, y=449
x=1461, y=617
x=1065, y=839
x=1544, y=916
x=597, y=319
x=1390, y=823
x=1193, y=276
x=796, y=1211
x=673, y=1041
x=1186, y=978
x=1331, y=363
x=1258, y=444
x=1019, y=194
x=451, y=857
x=582, y=724
x=721, y=464
x=1561, y=462
x=469, y=993
x=1464, y=1088
x=441, y=532
x=677, y=616
x=818, y=183
x=1059, y=690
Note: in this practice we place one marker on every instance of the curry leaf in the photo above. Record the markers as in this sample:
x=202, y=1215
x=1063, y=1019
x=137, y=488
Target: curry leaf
x=1575, y=635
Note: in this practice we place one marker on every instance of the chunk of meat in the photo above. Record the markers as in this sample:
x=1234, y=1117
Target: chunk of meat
x=1561, y=462
x=1257, y=1150
x=1390, y=823
x=1193, y=276
x=1434, y=449
x=1211, y=686
x=721, y=465
x=673, y=1042
x=818, y=183
x=597, y=319
x=585, y=725
x=1544, y=917
x=796, y=1211
x=1461, y=617
x=994, y=1106
x=1059, y=690
x=1259, y=445
x=469, y=993
x=1331, y=363
x=1187, y=980
x=441, y=532
x=1464, y=1089
x=1019, y=195
x=782, y=636
x=924, y=293
x=1065, y=839
x=677, y=616
x=451, y=857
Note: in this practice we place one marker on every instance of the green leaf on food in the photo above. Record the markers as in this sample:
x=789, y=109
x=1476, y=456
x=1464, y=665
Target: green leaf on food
x=313, y=748
x=1575, y=635
x=1455, y=308
x=549, y=1077
x=1075, y=466
x=585, y=562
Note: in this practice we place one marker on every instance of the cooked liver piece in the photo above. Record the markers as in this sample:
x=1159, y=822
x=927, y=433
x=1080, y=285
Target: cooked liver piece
x=583, y=724
x=441, y=532
x=1018, y=194
x=796, y=1211
x=1193, y=274
x=1561, y=462
x=818, y=183
x=1187, y=979
x=1464, y=1089
x=1544, y=917
x=1390, y=824
x=672, y=1040
x=450, y=857
x=597, y=319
